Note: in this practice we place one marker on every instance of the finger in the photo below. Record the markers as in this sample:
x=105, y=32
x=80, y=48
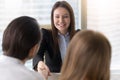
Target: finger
x=42, y=66
x=43, y=74
x=49, y=73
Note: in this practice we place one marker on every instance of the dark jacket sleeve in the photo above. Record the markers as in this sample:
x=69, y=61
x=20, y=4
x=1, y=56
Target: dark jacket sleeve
x=78, y=30
x=40, y=55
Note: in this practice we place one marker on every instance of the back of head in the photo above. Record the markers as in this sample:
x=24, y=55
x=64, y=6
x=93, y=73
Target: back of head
x=88, y=57
x=20, y=36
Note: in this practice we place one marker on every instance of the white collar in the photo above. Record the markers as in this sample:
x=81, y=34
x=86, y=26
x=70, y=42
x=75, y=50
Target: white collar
x=67, y=34
x=11, y=59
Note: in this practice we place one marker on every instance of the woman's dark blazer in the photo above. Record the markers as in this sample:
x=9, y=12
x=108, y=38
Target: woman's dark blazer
x=46, y=51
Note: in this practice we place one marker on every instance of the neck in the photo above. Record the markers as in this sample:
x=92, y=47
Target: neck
x=63, y=32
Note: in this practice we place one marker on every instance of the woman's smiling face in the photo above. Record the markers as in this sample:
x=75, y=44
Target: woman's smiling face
x=61, y=19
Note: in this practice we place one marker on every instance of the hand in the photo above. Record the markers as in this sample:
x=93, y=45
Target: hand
x=43, y=69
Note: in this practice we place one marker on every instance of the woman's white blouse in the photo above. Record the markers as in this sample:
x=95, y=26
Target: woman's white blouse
x=63, y=43
x=14, y=69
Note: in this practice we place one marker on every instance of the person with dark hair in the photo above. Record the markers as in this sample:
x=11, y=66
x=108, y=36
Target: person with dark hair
x=55, y=41
x=20, y=43
x=88, y=57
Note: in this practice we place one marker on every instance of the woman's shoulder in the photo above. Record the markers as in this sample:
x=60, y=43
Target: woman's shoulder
x=46, y=31
x=77, y=30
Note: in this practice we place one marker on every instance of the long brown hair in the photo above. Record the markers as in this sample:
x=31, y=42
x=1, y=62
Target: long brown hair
x=88, y=57
x=71, y=28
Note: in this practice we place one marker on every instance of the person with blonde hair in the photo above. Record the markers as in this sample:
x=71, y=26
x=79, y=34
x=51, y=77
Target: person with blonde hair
x=88, y=57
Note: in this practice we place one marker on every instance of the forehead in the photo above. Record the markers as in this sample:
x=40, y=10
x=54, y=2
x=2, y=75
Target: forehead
x=61, y=10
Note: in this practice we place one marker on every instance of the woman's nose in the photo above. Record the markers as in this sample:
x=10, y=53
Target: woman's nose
x=61, y=19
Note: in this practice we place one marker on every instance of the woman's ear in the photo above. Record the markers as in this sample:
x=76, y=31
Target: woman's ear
x=33, y=51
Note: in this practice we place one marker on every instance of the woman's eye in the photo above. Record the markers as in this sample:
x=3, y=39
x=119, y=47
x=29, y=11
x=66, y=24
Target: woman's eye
x=66, y=16
x=56, y=16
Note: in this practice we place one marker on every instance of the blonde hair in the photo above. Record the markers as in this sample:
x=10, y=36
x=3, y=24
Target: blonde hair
x=88, y=57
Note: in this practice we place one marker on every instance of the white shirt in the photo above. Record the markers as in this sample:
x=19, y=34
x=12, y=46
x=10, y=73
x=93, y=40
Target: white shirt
x=63, y=43
x=14, y=69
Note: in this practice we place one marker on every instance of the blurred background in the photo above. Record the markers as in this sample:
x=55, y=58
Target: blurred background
x=99, y=15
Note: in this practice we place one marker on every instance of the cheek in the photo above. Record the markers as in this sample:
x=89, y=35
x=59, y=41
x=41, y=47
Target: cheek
x=37, y=48
x=68, y=21
x=55, y=21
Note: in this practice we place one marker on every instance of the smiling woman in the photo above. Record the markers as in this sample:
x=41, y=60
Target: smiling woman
x=61, y=19
x=39, y=9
